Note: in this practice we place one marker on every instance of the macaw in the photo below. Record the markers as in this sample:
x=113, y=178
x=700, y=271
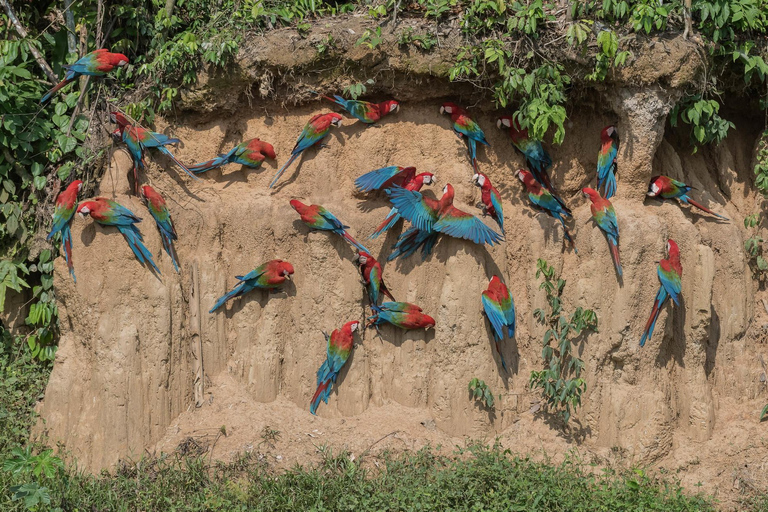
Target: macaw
x=400, y=314
x=385, y=177
x=373, y=277
x=138, y=139
x=667, y=188
x=605, y=217
x=411, y=240
x=159, y=211
x=339, y=347
x=465, y=126
x=543, y=199
x=269, y=276
x=606, y=161
x=315, y=130
x=250, y=153
x=670, y=273
x=97, y=63
x=318, y=218
x=499, y=307
x=365, y=111
x=66, y=203
x=536, y=157
x=491, y=199
x=109, y=213
x=441, y=216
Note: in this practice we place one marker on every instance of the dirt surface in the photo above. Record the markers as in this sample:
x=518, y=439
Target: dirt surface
x=688, y=402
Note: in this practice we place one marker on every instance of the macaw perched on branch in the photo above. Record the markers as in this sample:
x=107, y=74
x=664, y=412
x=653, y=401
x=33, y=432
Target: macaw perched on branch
x=373, y=277
x=400, y=314
x=606, y=161
x=465, y=126
x=386, y=177
x=109, y=213
x=667, y=188
x=499, y=307
x=159, y=211
x=490, y=198
x=441, y=216
x=365, y=111
x=318, y=218
x=269, y=276
x=340, y=344
x=97, y=63
x=63, y=212
x=670, y=273
x=605, y=217
x=250, y=153
x=536, y=157
x=544, y=200
x=138, y=139
x=315, y=131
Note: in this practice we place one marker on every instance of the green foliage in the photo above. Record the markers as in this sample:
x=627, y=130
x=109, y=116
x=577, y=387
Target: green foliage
x=764, y=413
x=370, y=38
x=702, y=115
x=480, y=391
x=477, y=477
x=753, y=246
x=356, y=90
x=761, y=165
x=423, y=41
x=560, y=382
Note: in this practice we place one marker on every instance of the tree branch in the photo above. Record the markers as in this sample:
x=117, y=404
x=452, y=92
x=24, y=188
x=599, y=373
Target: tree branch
x=23, y=33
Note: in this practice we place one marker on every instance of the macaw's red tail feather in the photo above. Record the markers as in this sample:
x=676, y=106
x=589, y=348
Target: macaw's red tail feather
x=183, y=167
x=66, y=244
x=615, y=255
x=501, y=356
x=700, y=207
x=322, y=393
x=661, y=298
x=282, y=169
x=390, y=221
x=387, y=293
x=47, y=96
x=354, y=242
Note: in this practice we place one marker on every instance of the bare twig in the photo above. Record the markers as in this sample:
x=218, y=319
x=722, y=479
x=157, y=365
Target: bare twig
x=33, y=50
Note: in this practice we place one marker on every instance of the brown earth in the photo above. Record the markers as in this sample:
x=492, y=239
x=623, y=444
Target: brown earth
x=688, y=402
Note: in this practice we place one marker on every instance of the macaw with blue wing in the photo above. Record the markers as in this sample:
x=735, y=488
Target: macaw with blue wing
x=339, y=347
x=97, y=63
x=400, y=314
x=491, y=199
x=536, y=157
x=668, y=188
x=250, y=153
x=109, y=213
x=606, y=161
x=670, y=273
x=543, y=199
x=465, y=126
x=373, y=277
x=318, y=218
x=365, y=111
x=159, y=211
x=269, y=276
x=499, y=307
x=63, y=212
x=314, y=132
x=604, y=216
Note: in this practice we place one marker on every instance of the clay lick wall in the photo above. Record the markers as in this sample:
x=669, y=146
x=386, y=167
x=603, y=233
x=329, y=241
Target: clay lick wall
x=125, y=371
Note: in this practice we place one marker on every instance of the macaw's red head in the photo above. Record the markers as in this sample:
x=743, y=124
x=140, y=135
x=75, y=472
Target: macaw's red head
x=76, y=185
x=448, y=193
x=608, y=133
x=449, y=108
x=673, y=251
x=284, y=268
x=119, y=119
x=591, y=193
x=118, y=59
x=266, y=149
x=427, y=178
x=362, y=257
x=524, y=176
x=480, y=179
x=350, y=327
x=427, y=321
x=298, y=206
x=656, y=186
x=150, y=194
x=86, y=207
x=390, y=106
x=335, y=119
x=117, y=135
x=494, y=283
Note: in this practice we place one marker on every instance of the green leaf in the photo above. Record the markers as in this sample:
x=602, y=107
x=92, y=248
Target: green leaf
x=39, y=182
x=764, y=413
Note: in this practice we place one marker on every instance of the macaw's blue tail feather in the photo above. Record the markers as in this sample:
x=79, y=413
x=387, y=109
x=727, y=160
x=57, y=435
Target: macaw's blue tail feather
x=283, y=168
x=183, y=167
x=410, y=241
x=354, y=242
x=392, y=217
x=472, y=147
x=661, y=298
x=47, y=96
x=608, y=185
x=133, y=237
x=240, y=289
x=501, y=356
x=168, y=246
x=322, y=393
x=66, y=245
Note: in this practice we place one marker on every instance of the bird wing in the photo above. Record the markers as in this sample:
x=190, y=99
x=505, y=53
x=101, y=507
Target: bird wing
x=154, y=140
x=606, y=219
x=460, y=224
x=253, y=274
x=496, y=203
x=331, y=218
x=670, y=279
x=420, y=211
x=399, y=307
x=377, y=179
x=495, y=313
x=467, y=126
x=309, y=135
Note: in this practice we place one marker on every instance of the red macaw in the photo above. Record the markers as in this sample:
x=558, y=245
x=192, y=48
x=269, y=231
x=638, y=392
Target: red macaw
x=536, y=157
x=97, y=63
x=606, y=161
x=339, y=347
x=365, y=111
x=315, y=131
x=318, y=218
x=159, y=211
x=670, y=273
x=400, y=314
x=667, y=188
x=269, y=276
x=544, y=200
x=250, y=153
x=490, y=198
x=63, y=212
x=499, y=307
x=373, y=276
x=109, y=213
x=604, y=216
x=465, y=126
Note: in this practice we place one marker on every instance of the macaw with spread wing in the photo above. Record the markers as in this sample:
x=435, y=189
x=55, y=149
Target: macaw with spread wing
x=159, y=211
x=670, y=273
x=365, y=111
x=97, y=63
x=499, y=307
x=314, y=131
x=63, y=212
x=109, y=213
x=250, y=153
x=318, y=218
x=269, y=276
x=339, y=346
x=604, y=216
x=543, y=199
x=465, y=126
x=667, y=188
